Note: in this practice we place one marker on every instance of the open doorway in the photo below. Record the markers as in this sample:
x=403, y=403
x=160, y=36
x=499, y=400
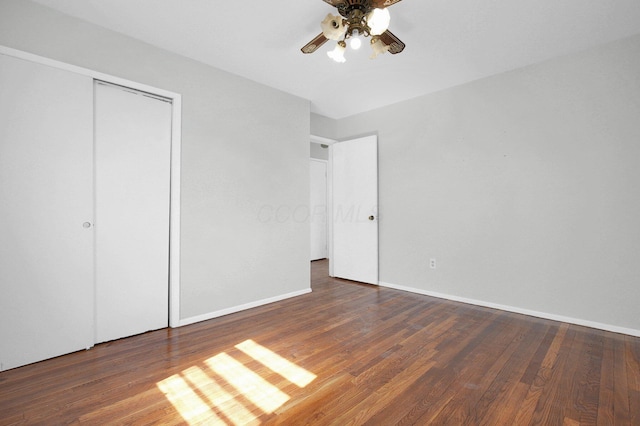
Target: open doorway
x=344, y=207
x=319, y=197
x=318, y=209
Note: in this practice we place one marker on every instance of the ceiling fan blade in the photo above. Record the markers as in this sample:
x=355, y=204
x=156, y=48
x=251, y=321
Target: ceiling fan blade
x=395, y=44
x=314, y=44
x=380, y=4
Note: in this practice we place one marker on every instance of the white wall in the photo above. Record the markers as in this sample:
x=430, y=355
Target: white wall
x=523, y=186
x=323, y=126
x=239, y=154
x=318, y=152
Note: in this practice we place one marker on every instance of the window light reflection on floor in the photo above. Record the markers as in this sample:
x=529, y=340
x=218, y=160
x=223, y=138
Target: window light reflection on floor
x=253, y=387
x=190, y=406
x=276, y=363
x=230, y=407
x=199, y=393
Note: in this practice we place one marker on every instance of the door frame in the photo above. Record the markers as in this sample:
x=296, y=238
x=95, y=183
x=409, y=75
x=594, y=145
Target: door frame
x=176, y=143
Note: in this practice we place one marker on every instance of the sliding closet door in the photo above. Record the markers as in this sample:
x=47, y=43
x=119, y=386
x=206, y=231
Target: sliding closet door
x=133, y=143
x=46, y=212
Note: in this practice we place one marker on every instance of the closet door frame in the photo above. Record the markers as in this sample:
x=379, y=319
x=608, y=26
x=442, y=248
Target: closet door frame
x=176, y=142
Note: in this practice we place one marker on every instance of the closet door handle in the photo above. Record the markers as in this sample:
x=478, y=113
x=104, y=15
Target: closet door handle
x=86, y=225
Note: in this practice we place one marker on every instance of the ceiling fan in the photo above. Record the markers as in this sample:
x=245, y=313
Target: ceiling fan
x=358, y=18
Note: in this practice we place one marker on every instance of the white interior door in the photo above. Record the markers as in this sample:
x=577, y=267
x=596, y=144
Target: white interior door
x=318, y=209
x=46, y=212
x=133, y=148
x=354, y=166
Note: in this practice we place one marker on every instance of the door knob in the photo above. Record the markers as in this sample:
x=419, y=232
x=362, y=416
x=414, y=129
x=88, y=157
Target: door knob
x=86, y=225
x=371, y=217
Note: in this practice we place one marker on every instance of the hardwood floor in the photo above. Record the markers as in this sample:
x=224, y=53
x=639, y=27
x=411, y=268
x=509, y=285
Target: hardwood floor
x=346, y=353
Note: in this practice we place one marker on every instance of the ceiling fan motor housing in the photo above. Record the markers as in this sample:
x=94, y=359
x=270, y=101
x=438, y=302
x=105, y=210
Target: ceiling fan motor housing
x=355, y=12
x=347, y=7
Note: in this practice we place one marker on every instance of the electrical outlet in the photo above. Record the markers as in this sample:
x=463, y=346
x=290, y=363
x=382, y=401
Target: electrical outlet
x=432, y=263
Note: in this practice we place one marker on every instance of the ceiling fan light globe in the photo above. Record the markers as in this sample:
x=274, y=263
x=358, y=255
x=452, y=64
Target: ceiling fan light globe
x=355, y=43
x=332, y=27
x=337, y=54
x=378, y=21
x=378, y=47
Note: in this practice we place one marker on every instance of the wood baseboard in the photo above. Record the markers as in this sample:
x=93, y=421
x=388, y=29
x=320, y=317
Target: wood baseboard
x=507, y=308
x=234, y=309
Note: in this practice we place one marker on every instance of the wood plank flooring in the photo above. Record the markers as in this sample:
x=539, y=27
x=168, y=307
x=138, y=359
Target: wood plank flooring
x=345, y=354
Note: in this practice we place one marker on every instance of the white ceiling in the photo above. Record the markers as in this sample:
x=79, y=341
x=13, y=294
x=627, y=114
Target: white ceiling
x=449, y=42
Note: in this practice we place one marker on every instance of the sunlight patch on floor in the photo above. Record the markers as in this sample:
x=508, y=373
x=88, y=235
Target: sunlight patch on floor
x=219, y=398
x=225, y=391
x=276, y=363
x=190, y=406
x=249, y=384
